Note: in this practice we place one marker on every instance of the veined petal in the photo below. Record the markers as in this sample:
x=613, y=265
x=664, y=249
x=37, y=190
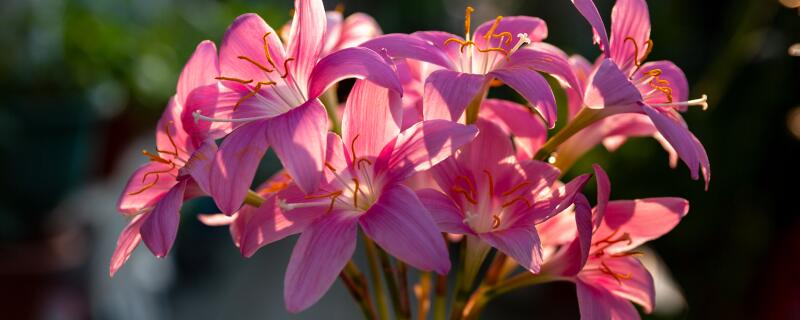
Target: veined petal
x=353, y=62
x=201, y=70
x=372, y=117
x=637, y=286
x=306, y=39
x=319, y=255
x=669, y=73
x=172, y=140
x=445, y=213
x=534, y=28
x=629, y=19
x=491, y=149
x=334, y=156
x=598, y=304
x=590, y=13
x=358, y=28
x=201, y=163
x=205, y=101
x=161, y=226
x=333, y=31
x=521, y=244
x=398, y=45
x=641, y=219
x=401, y=225
x=560, y=199
x=534, y=88
x=610, y=88
x=422, y=146
x=549, y=59
x=603, y=193
x=298, y=138
x=690, y=150
x=235, y=165
x=447, y=93
x=528, y=131
x=244, y=38
x=128, y=240
x=147, y=185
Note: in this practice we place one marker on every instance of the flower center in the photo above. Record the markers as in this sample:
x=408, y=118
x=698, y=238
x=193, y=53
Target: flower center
x=157, y=157
x=485, y=211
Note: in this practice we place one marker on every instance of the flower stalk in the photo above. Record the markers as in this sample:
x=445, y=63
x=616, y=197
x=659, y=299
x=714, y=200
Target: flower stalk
x=356, y=284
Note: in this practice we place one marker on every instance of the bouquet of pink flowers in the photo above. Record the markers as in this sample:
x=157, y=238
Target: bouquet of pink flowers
x=419, y=159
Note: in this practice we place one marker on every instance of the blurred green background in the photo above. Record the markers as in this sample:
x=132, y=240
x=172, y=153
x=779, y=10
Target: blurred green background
x=83, y=81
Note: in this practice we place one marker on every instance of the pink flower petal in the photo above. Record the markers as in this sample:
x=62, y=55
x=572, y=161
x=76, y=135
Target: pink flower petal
x=358, y=28
x=690, y=150
x=139, y=193
x=401, y=225
x=445, y=213
x=490, y=150
x=638, y=288
x=399, y=45
x=201, y=70
x=629, y=18
x=298, y=138
x=447, y=94
x=603, y=193
x=306, y=39
x=333, y=31
x=216, y=219
x=128, y=240
x=244, y=38
x=521, y=244
x=590, y=13
x=529, y=132
x=360, y=63
x=235, y=165
x=422, y=146
x=534, y=88
x=171, y=137
x=205, y=101
x=201, y=163
x=534, y=28
x=610, y=88
x=161, y=226
x=319, y=255
x=372, y=117
x=641, y=219
x=670, y=73
x=598, y=304
x=549, y=59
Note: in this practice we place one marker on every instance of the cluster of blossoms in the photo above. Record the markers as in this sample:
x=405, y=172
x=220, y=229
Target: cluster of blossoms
x=418, y=157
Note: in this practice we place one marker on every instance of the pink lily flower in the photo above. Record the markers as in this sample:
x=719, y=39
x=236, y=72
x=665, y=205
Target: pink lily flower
x=469, y=65
x=623, y=83
x=491, y=196
x=599, y=257
x=342, y=33
x=363, y=186
x=272, y=94
x=179, y=167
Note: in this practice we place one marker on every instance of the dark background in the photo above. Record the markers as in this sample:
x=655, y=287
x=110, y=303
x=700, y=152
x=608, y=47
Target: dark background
x=83, y=82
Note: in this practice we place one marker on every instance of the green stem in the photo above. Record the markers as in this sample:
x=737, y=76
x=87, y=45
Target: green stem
x=483, y=295
x=474, y=106
x=391, y=283
x=473, y=252
x=331, y=101
x=402, y=287
x=253, y=199
x=356, y=284
x=374, y=271
x=440, y=301
x=583, y=119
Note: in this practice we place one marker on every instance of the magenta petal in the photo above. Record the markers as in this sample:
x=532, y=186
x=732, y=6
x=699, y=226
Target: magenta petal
x=609, y=87
x=638, y=288
x=561, y=199
x=598, y=304
x=521, y=244
x=161, y=226
x=671, y=73
x=171, y=137
x=399, y=45
x=529, y=132
x=603, y=193
x=629, y=18
x=583, y=223
x=298, y=138
x=128, y=240
x=204, y=100
x=201, y=70
x=133, y=199
x=201, y=163
x=244, y=38
x=534, y=88
x=334, y=156
x=372, y=117
x=235, y=165
x=590, y=13
x=306, y=39
x=444, y=211
x=534, y=28
x=690, y=150
x=491, y=149
x=422, y=146
x=319, y=255
x=401, y=225
x=447, y=94
x=642, y=219
x=356, y=62
x=269, y=223
x=358, y=28
x=547, y=58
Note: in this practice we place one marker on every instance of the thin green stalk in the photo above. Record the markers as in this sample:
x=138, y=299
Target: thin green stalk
x=481, y=297
x=253, y=199
x=391, y=283
x=583, y=119
x=440, y=300
x=402, y=288
x=330, y=100
x=356, y=284
x=473, y=252
x=374, y=272
x=474, y=106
